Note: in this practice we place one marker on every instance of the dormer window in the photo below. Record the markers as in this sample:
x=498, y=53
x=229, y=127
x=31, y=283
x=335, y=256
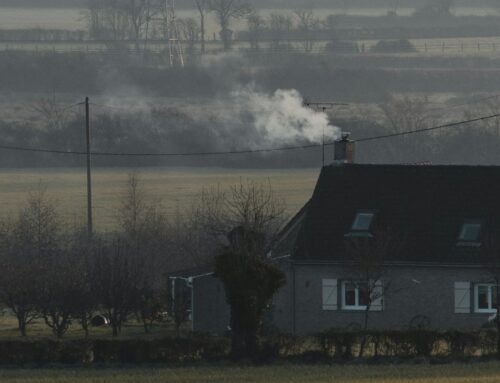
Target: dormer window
x=362, y=223
x=470, y=233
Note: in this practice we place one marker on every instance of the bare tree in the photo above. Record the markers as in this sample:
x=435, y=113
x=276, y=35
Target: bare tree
x=53, y=114
x=152, y=9
x=27, y=243
x=278, y=29
x=256, y=25
x=393, y=7
x=225, y=11
x=490, y=252
x=368, y=255
x=403, y=114
x=190, y=31
x=202, y=7
x=145, y=233
x=117, y=273
x=60, y=289
x=137, y=12
x=249, y=204
x=94, y=18
x=308, y=23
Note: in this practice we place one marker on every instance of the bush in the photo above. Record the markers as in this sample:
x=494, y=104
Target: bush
x=461, y=343
x=342, y=47
x=394, y=46
x=340, y=342
x=167, y=350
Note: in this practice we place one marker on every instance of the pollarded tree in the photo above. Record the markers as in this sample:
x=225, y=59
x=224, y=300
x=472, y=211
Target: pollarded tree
x=225, y=11
x=250, y=282
x=249, y=215
x=251, y=205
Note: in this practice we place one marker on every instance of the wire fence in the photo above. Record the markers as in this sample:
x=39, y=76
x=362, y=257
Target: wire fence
x=447, y=46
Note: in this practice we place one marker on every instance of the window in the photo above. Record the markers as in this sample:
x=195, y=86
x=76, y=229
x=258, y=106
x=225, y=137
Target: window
x=354, y=295
x=486, y=298
x=362, y=223
x=470, y=233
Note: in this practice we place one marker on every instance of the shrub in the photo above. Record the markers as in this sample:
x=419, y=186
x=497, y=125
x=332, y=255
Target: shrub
x=394, y=46
x=461, y=343
x=342, y=47
x=341, y=342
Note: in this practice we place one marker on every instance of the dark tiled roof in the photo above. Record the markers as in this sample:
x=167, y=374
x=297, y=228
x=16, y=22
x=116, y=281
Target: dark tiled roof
x=426, y=204
x=286, y=240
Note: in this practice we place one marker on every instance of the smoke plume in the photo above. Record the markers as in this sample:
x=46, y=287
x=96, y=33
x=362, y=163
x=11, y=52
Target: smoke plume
x=281, y=118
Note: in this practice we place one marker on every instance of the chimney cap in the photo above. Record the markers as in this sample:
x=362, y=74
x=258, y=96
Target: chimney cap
x=345, y=136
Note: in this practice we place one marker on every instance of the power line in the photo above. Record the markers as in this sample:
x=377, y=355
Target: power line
x=71, y=106
x=449, y=125
x=246, y=151
x=471, y=102
x=186, y=154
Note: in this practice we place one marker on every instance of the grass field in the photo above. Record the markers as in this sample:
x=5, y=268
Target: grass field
x=453, y=373
x=174, y=189
x=132, y=329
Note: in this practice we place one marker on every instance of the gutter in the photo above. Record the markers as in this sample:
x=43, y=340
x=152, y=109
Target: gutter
x=392, y=264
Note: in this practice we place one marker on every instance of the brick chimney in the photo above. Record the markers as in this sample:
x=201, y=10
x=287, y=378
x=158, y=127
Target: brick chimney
x=344, y=149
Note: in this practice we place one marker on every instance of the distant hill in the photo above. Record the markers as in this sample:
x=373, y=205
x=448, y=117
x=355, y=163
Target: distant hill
x=43, y=3
x=262, y=3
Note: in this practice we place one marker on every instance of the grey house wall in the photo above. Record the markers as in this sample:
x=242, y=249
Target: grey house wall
x=298, y=306
x=410, y=291
x=210, y=310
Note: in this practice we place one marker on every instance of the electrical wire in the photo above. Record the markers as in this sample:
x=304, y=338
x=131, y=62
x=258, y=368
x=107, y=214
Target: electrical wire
x=246, y=151
x=449, y=125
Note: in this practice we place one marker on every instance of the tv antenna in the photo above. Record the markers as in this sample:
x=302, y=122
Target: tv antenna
x=323, y=107
x=175, y=51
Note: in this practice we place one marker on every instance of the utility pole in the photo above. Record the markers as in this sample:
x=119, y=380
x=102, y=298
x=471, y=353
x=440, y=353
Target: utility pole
x=89, y=173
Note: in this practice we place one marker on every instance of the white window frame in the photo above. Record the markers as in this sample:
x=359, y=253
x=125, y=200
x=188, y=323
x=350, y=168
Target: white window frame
x=490, y=309
x=356, y=306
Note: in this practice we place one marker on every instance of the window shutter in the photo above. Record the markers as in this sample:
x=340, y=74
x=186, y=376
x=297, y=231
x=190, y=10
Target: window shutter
x=377, y=297
x=330, y=294
x=462, y=297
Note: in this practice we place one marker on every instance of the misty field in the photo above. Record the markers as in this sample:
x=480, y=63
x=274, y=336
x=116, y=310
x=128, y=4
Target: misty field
x=453, y=373
x=174, y=188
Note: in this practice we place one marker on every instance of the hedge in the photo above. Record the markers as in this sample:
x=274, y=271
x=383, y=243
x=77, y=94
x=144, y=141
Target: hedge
x=166, y=350
x=326, y=346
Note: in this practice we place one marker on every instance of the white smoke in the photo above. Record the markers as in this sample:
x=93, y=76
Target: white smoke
x=282, y=117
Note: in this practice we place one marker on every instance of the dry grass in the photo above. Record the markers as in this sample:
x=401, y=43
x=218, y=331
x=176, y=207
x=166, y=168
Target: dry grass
x=39, y=330
x=454, y=373
x=174, y=188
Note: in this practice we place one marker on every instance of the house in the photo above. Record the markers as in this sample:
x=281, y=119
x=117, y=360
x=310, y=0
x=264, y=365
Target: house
x=437, y=276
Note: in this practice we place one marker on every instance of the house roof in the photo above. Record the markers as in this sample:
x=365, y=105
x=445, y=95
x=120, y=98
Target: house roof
x=284, y=244
x=426, y=205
